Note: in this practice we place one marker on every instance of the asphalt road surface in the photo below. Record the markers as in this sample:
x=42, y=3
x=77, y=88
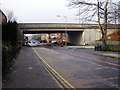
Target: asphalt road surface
x=80, y=68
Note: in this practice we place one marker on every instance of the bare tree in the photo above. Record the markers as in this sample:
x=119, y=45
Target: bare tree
x=99, y=11
x=10, y=16
x=113, y=13
x=119, y=12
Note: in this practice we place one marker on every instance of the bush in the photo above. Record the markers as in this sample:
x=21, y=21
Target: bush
x=115, y=48
x=9, y=40
x=9, y=32
x=7, y=56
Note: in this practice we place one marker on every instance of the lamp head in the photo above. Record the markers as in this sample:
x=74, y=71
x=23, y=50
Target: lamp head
x=58, y=15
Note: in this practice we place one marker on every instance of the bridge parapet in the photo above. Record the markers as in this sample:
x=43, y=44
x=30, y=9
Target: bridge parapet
x=55, y=26
x=63, y=26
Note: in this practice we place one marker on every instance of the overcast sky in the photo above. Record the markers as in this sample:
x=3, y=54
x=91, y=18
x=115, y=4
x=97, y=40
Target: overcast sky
x=43, y=11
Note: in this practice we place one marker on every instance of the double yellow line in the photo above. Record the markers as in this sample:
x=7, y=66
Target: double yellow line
x=61, y=80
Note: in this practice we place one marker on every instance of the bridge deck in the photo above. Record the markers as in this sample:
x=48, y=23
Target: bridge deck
x=63, y=26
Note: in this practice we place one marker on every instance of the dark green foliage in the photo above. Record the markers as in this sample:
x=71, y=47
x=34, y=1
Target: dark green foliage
x=9, y=32
x=6, y=56
x=115, y=48
x=9, y=48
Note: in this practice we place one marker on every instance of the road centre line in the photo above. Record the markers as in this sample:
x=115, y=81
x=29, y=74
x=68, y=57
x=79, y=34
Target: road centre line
x=65, y=83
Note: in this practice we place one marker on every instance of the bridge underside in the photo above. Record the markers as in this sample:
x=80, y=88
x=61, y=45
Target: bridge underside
x=74, y=36
x=39, y=31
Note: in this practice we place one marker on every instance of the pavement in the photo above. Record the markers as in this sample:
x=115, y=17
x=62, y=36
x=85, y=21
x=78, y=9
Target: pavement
x=28, y=72
x=102, y=53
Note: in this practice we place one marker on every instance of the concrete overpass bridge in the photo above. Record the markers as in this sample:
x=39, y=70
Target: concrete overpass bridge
x=53, y=27
x=77, y=33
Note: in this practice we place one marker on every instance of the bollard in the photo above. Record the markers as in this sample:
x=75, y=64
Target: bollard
x=96, y=48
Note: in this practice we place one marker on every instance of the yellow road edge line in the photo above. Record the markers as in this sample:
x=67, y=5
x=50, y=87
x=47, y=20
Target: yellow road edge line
x=64, y=82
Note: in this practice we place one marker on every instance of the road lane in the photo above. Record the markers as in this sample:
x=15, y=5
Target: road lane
x=81, y=73
x=78, y=53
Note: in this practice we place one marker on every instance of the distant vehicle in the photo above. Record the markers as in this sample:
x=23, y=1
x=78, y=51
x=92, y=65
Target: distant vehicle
x=30, y=43
x=33, y=43
x=54, y=41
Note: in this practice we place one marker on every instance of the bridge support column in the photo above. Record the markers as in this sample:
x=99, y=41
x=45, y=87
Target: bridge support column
x=75, y=38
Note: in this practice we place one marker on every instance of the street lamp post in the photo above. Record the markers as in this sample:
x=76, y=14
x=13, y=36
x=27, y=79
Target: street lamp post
x=65, y=27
